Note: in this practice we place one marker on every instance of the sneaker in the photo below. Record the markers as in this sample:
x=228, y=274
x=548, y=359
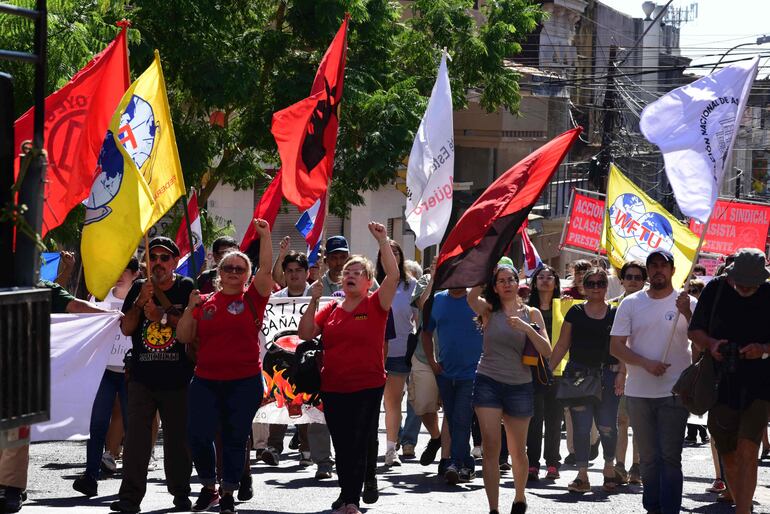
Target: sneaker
x=519, y=508
x=117, y=506
x=182, y=503
x=621, y=475
x=594, y=451
x=579, y=486
x=476, y=452
x=246, y=488
x=14, y=499
x=407, y=451
x=305, y=460
x=466, y=475
x=504, y=466
x=86, y=485
x=430, y=451
x=391, y=458
x=206, y=499
x=370, y=493
x=227, y=504
x=717, y=486
x=533, y=474
x=294, y=442
x=258, y=454
x=108, y=463
x=324, y=471
x=570, y=460
x=271, y=456
x=352, y=508
x=634, y=475
x=451, y=475
x=552, y=473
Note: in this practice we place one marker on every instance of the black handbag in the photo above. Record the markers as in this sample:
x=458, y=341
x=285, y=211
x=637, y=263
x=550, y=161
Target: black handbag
x=306, y=372
x=580, y=387
x=697, y=386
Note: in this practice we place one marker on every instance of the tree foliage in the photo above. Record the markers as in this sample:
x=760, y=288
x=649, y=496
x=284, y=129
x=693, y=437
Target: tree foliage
x=250, y=58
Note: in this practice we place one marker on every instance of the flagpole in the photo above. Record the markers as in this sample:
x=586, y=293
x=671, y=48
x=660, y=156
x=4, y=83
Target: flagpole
x=687, y=277
x=147, y=257
x=191, y=258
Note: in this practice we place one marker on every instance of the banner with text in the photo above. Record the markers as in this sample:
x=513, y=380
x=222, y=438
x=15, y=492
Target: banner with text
x=735, y=225
x=281, y=403
x=584, y=228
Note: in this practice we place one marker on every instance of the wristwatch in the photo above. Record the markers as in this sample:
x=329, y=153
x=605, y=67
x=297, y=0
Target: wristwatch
x=765, y=354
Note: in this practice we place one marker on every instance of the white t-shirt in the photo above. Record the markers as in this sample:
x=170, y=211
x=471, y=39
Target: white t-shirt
x=122, y=343
x=284, y=293
x=647, y=322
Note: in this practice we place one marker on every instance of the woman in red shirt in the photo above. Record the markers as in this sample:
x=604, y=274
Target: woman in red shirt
x=226, y=391
x=353, y=372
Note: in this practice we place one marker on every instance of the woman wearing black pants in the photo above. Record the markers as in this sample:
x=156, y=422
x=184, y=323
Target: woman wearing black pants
x=353, y=372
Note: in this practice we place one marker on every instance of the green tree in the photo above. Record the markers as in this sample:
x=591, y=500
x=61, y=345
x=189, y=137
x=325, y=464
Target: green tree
x=247, y=59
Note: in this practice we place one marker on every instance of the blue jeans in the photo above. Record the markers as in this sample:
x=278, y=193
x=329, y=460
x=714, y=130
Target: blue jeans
x=456, y=395
x=228, y=407
x=605, y=414
x=112, y=383
x=659, y=425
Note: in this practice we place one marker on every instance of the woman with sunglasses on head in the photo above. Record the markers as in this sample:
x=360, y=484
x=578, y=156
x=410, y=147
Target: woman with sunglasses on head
x=586, y=335
x=353, y=372
x=226, y=390
x=548, y=411
x=502, y=390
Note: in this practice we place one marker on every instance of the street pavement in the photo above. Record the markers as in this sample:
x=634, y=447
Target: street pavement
x=411, y=488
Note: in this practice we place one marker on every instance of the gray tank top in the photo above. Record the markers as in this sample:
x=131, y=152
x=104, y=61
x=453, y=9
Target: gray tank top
x=502, y=349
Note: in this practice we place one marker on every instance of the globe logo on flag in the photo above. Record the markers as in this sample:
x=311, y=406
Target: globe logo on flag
x=639, y=232
x=106, y=186
x=137, y=130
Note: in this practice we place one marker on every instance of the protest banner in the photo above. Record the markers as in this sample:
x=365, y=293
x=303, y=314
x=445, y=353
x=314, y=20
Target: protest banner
x=281, y=403
x=584, y=226
x=734, y=225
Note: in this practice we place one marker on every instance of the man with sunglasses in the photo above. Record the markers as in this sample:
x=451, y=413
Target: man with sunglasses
x=222, y=245
x=159, y=372
x=641, y=337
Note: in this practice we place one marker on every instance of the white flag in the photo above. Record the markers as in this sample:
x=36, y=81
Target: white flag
x=431, y=167
x=695, y=127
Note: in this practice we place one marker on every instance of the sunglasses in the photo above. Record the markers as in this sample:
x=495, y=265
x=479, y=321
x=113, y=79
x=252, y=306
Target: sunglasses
x=637, y=278
x=235, y=270
x=164, y=257
x=601, y=284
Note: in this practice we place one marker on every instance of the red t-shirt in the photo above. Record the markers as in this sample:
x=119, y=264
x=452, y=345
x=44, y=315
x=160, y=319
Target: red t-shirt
x=353, y=345
x=229, y=338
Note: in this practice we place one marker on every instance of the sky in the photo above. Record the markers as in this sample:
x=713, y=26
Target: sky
x=720, y=25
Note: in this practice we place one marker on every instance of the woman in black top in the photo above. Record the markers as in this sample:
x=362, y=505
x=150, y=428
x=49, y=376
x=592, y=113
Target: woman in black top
x=586, y=335
x=545, y=287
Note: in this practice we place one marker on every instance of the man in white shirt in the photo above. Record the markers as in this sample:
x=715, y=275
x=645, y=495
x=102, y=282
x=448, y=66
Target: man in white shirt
x=642, y=339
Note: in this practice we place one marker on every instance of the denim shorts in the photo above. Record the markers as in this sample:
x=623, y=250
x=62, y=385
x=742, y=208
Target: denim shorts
x=397, y=366
x=517, y=401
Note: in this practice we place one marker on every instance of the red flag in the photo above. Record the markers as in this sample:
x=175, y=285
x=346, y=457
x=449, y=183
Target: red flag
x=479, y=239
x=77, y=116
x=306, y=132
x=267, y=209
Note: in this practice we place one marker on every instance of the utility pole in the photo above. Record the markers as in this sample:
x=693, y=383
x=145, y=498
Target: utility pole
x=608, y=124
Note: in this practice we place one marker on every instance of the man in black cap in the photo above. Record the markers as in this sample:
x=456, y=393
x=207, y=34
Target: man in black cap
x=158, y=372
x=650, y=337
x=731, y=323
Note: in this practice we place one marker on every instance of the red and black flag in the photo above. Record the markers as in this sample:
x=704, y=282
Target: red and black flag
x=476, y=243
x=306, y=132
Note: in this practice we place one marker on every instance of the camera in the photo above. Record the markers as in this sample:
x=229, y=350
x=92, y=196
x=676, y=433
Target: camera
x=730, y=351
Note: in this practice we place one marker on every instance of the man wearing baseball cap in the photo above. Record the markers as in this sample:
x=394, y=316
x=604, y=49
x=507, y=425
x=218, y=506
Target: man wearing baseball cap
x=158, y=373
x=730, y=322
x=650, y=336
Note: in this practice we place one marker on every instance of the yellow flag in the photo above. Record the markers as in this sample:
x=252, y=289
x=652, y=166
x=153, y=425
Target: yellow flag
x=635, y=225
x=559, y=308
x=139, y=180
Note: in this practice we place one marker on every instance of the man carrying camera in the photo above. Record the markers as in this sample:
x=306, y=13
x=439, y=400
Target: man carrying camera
x=730, y=321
